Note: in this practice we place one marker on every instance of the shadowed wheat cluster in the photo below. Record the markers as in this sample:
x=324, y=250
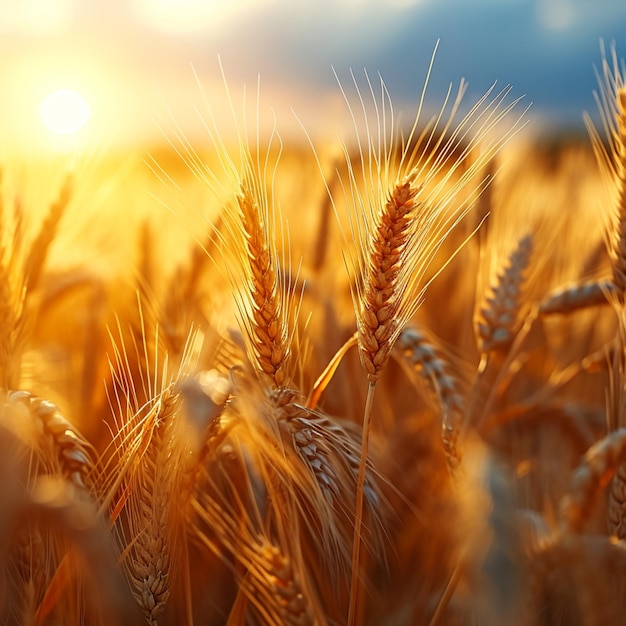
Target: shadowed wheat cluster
x=378, y=382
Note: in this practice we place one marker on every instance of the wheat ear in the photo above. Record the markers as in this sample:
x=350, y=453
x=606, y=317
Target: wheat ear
x=268, y=330
x=378, y=319
x=266, y=304
x=150, y=504
x=619, y=246
x=277, y=574
x=382, y=294
x=41, y=244
x=611, y=155
x=330, y=449
x=423, y=356
x=238, y=509
x=74, y=454
x=144, y=471
x=12, y=304
x=576, y=297
x=616, y=510
x=592, y=475
x=500, y=313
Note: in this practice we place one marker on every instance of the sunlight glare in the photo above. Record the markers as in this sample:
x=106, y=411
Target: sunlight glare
x=184, y=16
x=64, y=112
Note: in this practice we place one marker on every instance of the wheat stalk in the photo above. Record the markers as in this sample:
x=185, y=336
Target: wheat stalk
x=12, y=305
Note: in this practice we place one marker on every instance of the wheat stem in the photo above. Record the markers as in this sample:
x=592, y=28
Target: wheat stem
x=358, y=517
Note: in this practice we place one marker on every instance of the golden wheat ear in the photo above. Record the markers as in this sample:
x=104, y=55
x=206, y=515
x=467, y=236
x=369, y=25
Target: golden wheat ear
x=611, y=155
x=74, y=454
x=267, y=326
x=253, y=245
x=425, y=359
x=619, y=249
x=498, y=327
x=501, y=311
x=47, y=525
x=259, y=510
x=142, y=474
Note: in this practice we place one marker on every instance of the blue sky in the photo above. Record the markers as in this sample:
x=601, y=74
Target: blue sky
x=133, y=57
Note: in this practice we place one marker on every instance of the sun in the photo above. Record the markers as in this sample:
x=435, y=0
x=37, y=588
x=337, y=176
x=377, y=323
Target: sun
x=64, y=112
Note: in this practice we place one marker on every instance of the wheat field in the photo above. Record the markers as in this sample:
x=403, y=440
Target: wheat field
x=380, y=381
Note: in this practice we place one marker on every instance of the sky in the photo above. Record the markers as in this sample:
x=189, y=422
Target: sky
x=136, y=61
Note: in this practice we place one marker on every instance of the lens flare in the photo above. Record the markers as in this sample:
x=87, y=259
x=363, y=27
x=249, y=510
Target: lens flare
x=64, y=112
